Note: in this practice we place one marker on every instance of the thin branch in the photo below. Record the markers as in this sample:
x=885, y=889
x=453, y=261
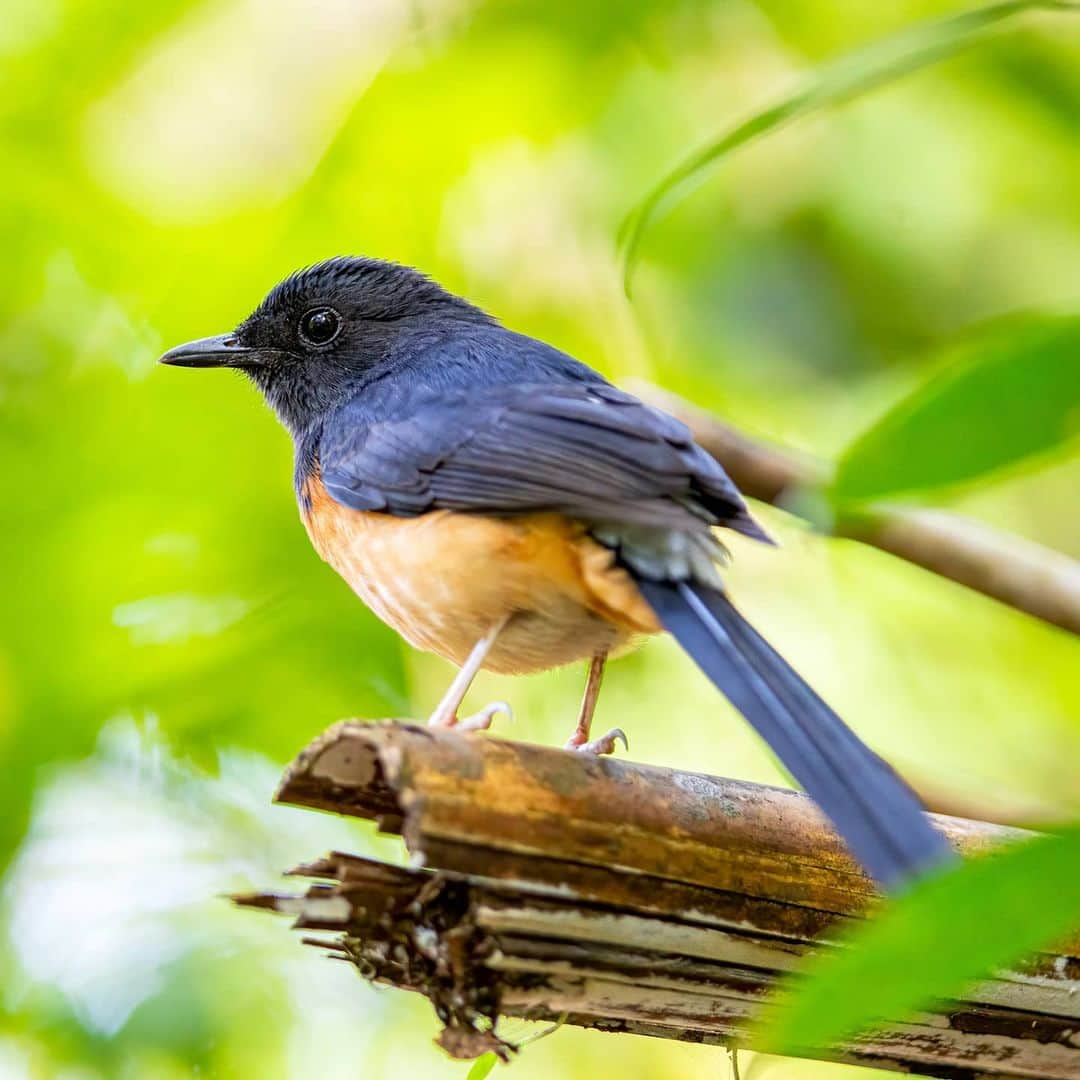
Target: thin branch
x=1014, y=571
x=624, y=898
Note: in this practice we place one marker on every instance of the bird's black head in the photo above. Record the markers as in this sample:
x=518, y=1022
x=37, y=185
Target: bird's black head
x=323, y=331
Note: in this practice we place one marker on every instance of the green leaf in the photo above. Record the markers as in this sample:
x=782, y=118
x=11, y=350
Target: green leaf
x=932, y=942
x=1010, y=393
x=847, y=78
x=482, y=1066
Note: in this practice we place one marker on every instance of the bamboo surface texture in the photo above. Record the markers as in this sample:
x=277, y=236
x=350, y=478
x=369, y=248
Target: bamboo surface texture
x=551, y=885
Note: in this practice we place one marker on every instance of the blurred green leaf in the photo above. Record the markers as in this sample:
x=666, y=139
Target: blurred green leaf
x=933, y=942
x=482, y=1067
x=849, y=77
x=1011, y=393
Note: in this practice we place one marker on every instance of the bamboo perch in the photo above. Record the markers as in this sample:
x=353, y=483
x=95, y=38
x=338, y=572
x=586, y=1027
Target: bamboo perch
x=1016, y=572
x=546, y=884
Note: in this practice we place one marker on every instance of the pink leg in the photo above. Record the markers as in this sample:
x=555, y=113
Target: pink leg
x=580, y=739
x=446, y=712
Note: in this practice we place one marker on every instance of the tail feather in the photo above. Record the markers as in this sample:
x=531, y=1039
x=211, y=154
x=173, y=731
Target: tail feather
x=876, y=813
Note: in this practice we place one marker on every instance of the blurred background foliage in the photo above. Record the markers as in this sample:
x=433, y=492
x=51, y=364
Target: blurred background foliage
x=169, y=640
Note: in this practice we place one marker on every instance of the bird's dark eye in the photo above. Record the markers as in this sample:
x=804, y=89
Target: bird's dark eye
x=319, y=326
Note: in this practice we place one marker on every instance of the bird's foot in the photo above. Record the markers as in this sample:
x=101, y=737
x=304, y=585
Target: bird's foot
x=580, y=742
x=478, y=721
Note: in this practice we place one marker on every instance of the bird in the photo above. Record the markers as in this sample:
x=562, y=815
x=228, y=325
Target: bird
x=503, y=505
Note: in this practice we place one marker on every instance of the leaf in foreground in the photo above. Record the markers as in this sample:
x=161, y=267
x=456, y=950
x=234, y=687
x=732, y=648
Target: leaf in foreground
x=1009, y=393
x=931, y=943
x=482, y=1066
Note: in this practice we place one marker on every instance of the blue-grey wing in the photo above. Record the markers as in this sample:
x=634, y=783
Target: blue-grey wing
x=588, y=450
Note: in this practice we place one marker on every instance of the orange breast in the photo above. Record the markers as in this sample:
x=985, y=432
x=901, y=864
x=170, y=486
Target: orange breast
x=442, y=580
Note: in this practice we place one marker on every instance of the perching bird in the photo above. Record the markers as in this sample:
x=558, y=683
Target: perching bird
x=501, y=504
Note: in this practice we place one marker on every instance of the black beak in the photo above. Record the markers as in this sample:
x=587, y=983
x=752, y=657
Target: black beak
x=220, y=351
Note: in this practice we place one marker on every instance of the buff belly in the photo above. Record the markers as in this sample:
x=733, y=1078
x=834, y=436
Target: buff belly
x=443, y=580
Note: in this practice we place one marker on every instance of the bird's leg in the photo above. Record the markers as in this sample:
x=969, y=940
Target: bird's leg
x=588, y=701
x=580, y=739
x=445, y=714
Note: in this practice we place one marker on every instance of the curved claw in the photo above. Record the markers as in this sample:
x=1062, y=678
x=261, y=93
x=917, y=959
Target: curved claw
x=481, y=721
x=606, y=743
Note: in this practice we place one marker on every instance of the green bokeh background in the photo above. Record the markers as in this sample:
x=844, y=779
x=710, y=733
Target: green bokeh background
x=169, y=640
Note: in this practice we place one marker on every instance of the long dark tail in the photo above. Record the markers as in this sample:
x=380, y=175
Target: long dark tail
x=875, y=812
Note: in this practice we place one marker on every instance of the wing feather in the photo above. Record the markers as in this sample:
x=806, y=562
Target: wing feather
x=590, y=451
